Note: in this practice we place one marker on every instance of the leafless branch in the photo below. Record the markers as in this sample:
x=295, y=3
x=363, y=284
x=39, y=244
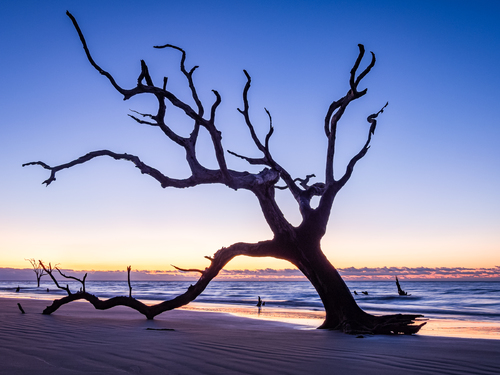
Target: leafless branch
x=48, y=269
x=338, y=107
x=350, y=166
x=144, y=121
x=188, y=75
x=270, y=133
x=188, y=269
x=246, y=115
x=253, y=161
x=145, y=75
x=144, y=168
x=219, y=260
x=81, y=281
x=353, y=81
x=125, y=93
x=129, y=268
x=214, y=106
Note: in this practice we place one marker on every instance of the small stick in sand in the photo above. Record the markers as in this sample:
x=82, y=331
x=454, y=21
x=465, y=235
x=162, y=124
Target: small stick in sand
x=20, y=308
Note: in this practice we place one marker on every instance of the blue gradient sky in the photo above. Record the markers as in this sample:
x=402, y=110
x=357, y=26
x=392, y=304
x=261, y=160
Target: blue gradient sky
x=426, y=194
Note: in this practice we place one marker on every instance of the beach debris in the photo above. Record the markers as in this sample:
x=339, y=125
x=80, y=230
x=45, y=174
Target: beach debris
x=160, y=329
x=401, y=292
x=20, y=308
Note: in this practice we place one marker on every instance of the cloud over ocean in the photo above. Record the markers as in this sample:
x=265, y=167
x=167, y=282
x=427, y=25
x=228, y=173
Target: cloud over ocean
x=287, y=274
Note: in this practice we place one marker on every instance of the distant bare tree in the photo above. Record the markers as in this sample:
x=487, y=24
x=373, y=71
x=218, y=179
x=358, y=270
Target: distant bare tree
x=38, y=269
x=300, y=245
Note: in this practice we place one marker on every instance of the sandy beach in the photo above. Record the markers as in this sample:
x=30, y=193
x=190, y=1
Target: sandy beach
x=78, y=339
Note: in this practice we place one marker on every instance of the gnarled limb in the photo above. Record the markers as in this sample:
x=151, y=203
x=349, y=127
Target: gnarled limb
x=219, y=260
x=81, y=281
x=337, y=109
x=48, y=269
x=350, y=166
x=144, y=168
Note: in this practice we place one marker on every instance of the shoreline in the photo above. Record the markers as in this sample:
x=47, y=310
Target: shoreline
x=309, y=319
x=78, y=339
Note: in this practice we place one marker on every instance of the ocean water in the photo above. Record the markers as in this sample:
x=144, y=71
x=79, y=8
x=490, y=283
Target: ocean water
x=460, y=300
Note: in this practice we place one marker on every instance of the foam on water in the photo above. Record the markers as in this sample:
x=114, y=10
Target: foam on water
x=473, y=301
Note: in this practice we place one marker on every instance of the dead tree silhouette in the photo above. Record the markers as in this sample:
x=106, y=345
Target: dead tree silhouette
x=300, y=245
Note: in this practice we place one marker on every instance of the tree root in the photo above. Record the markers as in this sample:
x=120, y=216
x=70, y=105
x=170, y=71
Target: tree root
x=381, y=325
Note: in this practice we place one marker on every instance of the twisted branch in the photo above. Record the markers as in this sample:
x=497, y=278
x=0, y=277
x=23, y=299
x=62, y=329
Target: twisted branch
x=219, y=260
x=350, y=166
x=337, y=109
x=125, y=93
x=144, y=168
x=48, y=270
x=82, y=281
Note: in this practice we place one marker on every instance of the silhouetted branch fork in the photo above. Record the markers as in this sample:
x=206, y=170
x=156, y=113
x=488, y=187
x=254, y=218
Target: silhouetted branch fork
x=189, y=75
x=267, y=159
x=143, y=121
x=144, y=75
x=302, y=182
x=253, y=161
x=350, y=166
x=48, y=269
x=335, y=113
x=82, y=281
x=353, y=81
x=138, y=120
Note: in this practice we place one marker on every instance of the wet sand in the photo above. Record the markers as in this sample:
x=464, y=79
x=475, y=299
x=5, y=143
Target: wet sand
x=77, y=339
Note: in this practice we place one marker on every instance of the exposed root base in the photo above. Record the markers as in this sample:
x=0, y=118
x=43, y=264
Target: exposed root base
x=381, y=325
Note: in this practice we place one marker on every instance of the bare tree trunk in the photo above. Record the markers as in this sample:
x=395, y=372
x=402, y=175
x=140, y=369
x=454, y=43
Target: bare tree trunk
x=342, y=311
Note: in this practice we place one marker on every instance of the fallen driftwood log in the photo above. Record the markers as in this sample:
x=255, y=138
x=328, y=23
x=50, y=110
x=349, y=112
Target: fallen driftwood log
x=20, y=308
